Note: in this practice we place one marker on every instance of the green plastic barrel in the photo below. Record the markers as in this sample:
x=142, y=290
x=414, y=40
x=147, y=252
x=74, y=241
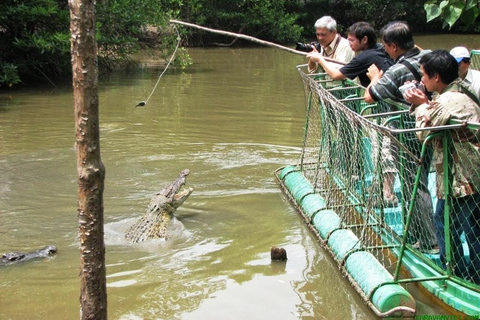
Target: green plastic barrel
x=362, y=266
x=302, y=190
x=370, y=274
x=312, y=203
x=286, y=171
x=341, y=241
x=326, y=221
x=298, y=185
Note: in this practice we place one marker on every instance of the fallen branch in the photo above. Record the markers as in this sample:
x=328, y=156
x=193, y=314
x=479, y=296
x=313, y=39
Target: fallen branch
x=233, y=41
x=249, y=38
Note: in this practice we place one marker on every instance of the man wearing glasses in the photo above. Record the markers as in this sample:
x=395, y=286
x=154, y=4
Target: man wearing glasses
x=332, y=44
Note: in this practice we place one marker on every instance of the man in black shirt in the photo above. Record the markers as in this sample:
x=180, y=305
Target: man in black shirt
x=363, y=41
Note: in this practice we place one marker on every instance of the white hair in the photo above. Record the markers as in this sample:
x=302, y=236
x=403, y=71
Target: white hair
x=326, y=22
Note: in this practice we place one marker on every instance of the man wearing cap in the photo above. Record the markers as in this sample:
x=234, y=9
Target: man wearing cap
x=453, y=101
x=469, y=76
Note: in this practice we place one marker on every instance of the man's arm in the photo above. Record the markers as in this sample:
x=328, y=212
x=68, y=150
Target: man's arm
x=312, y=65
x=415, y=97
x=430, y=114
x=330, y=68
x=367, y=96
x=374, y=74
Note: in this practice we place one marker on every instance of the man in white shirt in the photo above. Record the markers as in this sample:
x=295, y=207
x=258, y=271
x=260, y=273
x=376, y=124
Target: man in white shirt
x=469, y=76
x=332, y=44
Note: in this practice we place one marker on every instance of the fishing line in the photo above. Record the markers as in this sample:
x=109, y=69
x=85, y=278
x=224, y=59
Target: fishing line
x=144, y=102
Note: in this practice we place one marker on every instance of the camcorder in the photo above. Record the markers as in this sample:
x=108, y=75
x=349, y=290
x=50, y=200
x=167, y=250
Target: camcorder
x=307, y=47
x=417, y=85
x=411, y=85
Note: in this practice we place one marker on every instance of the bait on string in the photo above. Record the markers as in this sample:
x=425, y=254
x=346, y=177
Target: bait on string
x=144, y=102
x=229, y=34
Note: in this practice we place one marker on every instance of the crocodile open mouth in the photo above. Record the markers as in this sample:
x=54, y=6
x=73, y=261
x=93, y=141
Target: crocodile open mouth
x=181, y=196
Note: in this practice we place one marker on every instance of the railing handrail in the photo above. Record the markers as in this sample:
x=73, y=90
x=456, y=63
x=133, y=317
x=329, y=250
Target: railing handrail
x=350, y=104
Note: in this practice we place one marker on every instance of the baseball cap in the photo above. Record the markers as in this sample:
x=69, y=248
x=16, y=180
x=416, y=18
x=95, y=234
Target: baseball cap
x=459, y=53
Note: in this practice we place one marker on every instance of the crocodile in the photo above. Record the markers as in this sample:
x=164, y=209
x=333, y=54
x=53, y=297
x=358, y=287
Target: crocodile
x=16, y=257
x=153, y=224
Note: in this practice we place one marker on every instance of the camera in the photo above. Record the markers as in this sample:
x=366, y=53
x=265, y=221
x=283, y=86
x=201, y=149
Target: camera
x=307, y=47
x=411, y=85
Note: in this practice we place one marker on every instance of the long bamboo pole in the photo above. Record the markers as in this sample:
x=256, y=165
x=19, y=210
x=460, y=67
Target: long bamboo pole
x=249, y=38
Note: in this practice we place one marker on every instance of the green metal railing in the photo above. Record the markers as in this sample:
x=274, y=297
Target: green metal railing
x=349, y=149
x=475, y=59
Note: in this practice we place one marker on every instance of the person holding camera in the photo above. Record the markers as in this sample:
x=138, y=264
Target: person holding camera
x=332, y=44
x=454, y=100
x=362, y=39
x=398, y=42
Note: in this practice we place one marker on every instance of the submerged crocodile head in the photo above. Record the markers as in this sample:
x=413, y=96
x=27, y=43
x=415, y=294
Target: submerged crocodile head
x=15, y=257
x=48, y=250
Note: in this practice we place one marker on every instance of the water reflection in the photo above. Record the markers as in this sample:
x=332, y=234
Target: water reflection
x=448, y=41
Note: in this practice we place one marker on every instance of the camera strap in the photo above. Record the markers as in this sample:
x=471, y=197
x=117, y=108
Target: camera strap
x=324, y=53
x=412, y=69
x=467, y=91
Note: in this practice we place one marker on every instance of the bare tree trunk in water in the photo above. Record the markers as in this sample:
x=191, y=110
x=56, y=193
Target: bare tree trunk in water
x=90, y=170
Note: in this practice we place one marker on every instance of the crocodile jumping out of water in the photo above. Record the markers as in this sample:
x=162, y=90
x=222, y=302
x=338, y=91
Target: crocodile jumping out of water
x=154, y=222
x=16, y=257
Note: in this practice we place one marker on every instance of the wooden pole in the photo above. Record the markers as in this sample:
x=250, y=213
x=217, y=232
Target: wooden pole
x=90, y=169
x=249, y=38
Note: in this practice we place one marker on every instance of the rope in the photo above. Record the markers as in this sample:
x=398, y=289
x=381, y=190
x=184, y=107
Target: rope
x=143, y=103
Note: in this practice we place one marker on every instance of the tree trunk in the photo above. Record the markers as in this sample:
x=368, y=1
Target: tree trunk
x=90, y=170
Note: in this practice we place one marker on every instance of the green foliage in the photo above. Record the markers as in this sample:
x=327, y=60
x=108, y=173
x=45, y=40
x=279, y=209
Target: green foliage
x=380, y=12
x=8, y=75
x=182, y=59
x=35, y=35
x=269, y=20
x=451, y=12
x=377, y=12
x=33, y=39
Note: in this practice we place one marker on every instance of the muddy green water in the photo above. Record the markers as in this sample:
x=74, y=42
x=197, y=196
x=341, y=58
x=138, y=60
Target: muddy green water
x=232, y=119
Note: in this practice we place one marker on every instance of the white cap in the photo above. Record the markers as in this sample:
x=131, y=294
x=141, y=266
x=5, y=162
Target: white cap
x=459, y=53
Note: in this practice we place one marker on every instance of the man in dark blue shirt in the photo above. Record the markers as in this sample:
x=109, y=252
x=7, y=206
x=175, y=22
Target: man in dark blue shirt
x=363, y=41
